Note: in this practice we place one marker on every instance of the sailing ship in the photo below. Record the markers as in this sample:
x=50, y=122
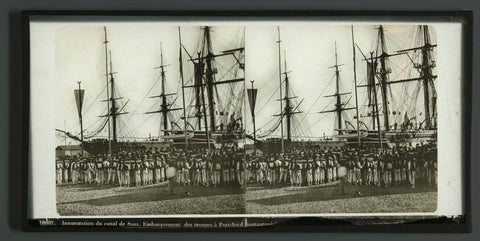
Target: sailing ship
x=218, y=120
x=379, y=84
x=216, y=95
x=390, y=124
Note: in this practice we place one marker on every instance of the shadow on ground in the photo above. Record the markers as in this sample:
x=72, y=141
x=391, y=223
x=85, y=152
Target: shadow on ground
x=157, y=193
x=333, y=192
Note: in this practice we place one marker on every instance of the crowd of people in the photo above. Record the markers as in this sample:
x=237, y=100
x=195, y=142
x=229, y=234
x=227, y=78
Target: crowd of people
x=364, y=166
x=223, y=167
x=141, y=168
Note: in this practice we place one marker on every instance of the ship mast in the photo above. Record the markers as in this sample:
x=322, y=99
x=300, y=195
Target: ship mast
x=339, y=106
x=183, y=89
x=373, y=64
x=164, y=107
x=207, y=134
x=80, y=101
x=356, y=95
x=426, y=76
x=426, y=72
x=205, y=71
x=105, y=42
x=210, y=74
x=289, y=112
x=383, y=76
x=281, y=95
x=113, y=112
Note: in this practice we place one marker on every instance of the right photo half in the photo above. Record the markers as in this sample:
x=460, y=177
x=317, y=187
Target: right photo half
x=340, y=119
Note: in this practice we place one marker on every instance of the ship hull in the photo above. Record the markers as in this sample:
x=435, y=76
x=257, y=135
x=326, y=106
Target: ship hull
x=389, y=138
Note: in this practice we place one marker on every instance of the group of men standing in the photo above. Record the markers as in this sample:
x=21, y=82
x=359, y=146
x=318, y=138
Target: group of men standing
x=296, y=168
x=190, y=167
x=394, y=166
x=212, y=169
x=222, y=167
x=123, y=169
x=365, y=166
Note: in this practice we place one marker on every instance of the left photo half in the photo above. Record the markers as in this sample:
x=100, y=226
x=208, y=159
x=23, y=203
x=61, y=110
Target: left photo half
x=149, y=120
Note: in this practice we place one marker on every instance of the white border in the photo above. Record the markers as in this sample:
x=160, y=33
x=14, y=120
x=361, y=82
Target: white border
x=42, y=61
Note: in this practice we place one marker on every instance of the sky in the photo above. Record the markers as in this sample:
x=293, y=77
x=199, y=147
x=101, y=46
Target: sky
x=309, y=51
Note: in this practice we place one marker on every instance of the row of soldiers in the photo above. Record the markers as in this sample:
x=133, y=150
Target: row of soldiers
x=295, y=168
x=132, y=169
x=199, y=168
x=368, y=166
x=216, y=168
x=396, y=166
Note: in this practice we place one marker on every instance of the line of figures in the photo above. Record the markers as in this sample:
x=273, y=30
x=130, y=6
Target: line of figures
x=368, y=166
x=183, y=167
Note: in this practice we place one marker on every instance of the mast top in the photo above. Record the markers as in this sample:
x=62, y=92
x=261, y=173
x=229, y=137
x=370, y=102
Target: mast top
x=105, y=33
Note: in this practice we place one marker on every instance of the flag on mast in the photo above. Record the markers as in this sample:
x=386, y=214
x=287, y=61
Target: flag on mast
x=252, y=98
x=79, y=93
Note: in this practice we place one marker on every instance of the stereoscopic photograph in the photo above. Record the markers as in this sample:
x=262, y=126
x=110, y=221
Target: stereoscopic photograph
x=244, y=123
x=149, y=120
x=345, y=119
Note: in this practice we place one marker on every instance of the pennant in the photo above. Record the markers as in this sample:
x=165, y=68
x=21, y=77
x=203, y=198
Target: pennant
x=79, y=100
x=252, y=98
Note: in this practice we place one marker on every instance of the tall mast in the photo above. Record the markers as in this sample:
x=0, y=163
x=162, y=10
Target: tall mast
x=183, y=89
x=426, y=72
x=210, y=78
x=113, y=111
x=80, y=100
x=376, y=101
x=205, y=115
x=164, y=106
x=426, y=75
x=356, y=95
x=105, y=42
x=383, y=76
x=164, y=97
x=204, y=64
x=252, y=97
x=288, y=108
x=339, y=106
x=198, y=86
x=281, y=95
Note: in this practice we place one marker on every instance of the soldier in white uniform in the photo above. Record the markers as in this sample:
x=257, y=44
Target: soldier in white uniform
x=259, y=170
x=291, y=173
x=112, y=170
x=358, y=172
x=198, y=172
x=74, y=170
x=309, y=172
x=316, y=171
x=106, y=171
x=284, y=170
x=323, y=170
x=145, y=172
x=59, y=169
x=412, y=171
x=129, y=165
x=298, y=173
x=137, y=169
x=120, y=175
x=329, y=169
x=66, y=169
x=217, y=170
